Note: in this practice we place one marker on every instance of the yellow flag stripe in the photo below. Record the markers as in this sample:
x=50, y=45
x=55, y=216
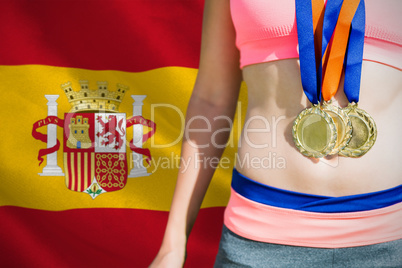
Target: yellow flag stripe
x=67, y=174
x=73, y=172
x=80, y=178
x=167, y=93
x=86, y=171
x=92, y=167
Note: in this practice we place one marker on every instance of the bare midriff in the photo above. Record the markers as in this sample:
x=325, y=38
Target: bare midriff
x=267, y=152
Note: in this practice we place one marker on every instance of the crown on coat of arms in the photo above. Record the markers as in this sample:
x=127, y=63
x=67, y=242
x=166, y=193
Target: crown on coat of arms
x=100, y=99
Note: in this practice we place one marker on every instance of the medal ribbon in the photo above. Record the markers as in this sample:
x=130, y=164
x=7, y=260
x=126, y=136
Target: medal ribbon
x=354, y=55
x=307, y=29
x=336, y=25
x=333, y=56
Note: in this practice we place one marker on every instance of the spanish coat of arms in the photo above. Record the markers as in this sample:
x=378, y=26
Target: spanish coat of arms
x=94, y=139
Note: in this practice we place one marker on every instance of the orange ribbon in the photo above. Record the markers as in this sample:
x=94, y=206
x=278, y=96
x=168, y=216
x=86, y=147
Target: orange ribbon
x=335, y=53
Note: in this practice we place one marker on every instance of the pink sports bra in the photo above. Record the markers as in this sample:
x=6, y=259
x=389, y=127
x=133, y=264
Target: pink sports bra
x=266, y=31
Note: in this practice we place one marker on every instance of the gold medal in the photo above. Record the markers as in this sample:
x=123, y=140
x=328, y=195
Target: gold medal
x=318, y=132
x=343, y=126
x=364, y=132
x=314, y=132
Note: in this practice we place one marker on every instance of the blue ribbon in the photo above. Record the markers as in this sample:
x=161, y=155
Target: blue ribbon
x=311, y=77
x=272, y=196
x=354, y=55
x=332, y=10
x=305, y=35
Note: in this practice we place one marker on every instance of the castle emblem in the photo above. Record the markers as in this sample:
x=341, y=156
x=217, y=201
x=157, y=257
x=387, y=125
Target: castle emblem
x=79, y=136
x=94, y=139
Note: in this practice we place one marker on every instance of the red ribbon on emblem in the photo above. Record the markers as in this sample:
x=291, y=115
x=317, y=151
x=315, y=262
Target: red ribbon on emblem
x=43, y=137
x=145, y=122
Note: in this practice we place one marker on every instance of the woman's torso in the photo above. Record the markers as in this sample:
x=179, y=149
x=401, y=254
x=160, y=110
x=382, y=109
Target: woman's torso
x=266, y=149
x=268, y=155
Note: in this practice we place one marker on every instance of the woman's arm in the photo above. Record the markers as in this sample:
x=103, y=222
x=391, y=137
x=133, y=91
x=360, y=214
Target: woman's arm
x=215, y=94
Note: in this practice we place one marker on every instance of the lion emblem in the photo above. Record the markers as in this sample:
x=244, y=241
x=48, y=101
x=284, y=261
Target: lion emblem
x=110, y=131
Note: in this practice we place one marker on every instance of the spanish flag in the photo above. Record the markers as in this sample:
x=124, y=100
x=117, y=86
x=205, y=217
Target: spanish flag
x=93, y=189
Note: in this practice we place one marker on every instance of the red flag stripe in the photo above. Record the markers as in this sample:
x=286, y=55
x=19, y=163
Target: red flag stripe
x=73, y=238
x=101, y=35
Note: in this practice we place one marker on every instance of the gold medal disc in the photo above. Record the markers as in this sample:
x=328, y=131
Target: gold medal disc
x=314, y=132
x=343, y=126
x=364, y=132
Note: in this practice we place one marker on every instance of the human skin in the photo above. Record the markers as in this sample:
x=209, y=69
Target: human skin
x=282, y=97
x=274, y=93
